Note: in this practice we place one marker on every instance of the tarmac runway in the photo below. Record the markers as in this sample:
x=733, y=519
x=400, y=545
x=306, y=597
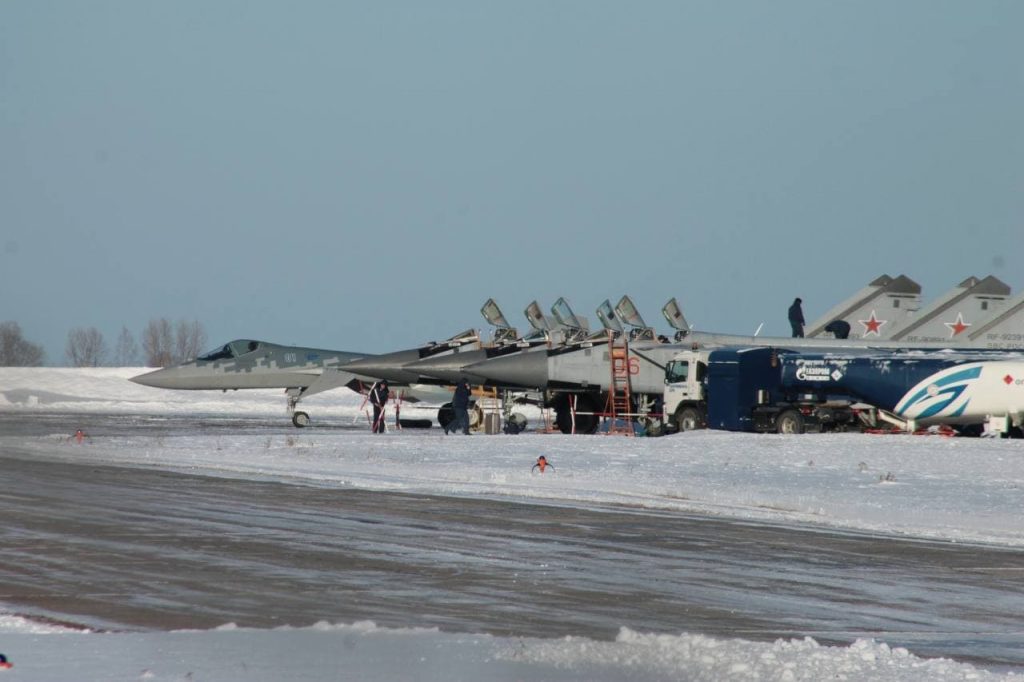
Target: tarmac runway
x=126, y=548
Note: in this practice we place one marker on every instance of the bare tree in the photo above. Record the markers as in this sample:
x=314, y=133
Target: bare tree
x=126, y=353
x=190, y=339
x=156, y=343
x=164, y=346
x=85, y=347
x=15, y=351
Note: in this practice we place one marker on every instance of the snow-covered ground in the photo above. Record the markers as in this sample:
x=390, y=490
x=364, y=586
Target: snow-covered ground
x=951, y=489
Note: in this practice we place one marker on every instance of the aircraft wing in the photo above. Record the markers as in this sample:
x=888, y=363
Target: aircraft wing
x=329, y=379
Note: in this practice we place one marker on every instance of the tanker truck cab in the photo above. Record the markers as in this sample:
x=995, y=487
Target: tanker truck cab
x=685, y=399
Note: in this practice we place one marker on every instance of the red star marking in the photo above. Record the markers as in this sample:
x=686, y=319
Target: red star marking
x=872, y=324
x=1007, y=380
x=958, y=326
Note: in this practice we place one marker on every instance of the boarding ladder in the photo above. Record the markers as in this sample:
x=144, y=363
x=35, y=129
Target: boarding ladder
x=619, y=408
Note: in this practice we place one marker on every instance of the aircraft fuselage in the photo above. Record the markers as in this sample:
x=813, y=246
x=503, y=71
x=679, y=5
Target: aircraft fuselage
x=245, y=364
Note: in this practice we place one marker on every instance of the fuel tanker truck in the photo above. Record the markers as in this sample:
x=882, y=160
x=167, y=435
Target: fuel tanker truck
x=767, y=389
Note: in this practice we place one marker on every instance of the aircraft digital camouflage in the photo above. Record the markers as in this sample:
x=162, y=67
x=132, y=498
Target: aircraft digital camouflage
x=247, y=363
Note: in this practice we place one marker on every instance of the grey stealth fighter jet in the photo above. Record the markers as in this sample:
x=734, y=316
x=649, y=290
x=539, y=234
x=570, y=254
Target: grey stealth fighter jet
x=247, y=363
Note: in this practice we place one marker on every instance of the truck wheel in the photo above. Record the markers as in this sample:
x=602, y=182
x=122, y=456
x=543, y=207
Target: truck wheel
x=688, y=419
x=790, y=421
x=971, y=430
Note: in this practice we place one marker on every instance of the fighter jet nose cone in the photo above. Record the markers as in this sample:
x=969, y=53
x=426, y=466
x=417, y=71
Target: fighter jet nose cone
x=138, y=379
x=155, y=379
x=528, y=370
x=387, y=366
x=449, y=367
x=363, y=363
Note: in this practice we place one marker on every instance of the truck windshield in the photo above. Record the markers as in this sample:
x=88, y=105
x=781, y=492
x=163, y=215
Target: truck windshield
x=677, y=371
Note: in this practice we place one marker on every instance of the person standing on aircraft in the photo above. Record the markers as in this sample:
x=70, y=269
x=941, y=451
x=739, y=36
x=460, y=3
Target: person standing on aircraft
x=460, y=405
x=379, y=399
x=796, y=318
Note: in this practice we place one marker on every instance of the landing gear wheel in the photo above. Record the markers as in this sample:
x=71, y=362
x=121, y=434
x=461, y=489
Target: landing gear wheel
x=516, y=423
x=688, y=419
x=445, y=415
x=300, y=419
x=585, y=423
x=790, y=421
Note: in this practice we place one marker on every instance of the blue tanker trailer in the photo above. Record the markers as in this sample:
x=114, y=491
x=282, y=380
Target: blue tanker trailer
x=790, y=391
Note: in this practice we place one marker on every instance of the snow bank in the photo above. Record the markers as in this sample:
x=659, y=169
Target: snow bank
x=363, y=651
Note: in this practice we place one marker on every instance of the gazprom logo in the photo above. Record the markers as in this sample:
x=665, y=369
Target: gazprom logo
x=939, y=393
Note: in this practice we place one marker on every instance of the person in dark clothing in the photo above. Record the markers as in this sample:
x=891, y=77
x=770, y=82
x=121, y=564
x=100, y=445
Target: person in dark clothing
x=839, y=328
x=460, y=405
x=379, y=399
x=796, y=318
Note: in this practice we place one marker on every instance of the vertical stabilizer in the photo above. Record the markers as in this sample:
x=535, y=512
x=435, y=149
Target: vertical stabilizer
x=948, y=318
x=874, y=311
x=1002, y=329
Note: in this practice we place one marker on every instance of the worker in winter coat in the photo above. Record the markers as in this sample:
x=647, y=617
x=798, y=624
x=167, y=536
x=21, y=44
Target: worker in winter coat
x=796, y=318
x=460, y=405
x=379, y=399
x=839, y=328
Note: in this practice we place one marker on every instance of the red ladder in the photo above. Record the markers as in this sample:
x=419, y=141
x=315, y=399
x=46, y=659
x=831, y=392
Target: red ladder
x=619, y=406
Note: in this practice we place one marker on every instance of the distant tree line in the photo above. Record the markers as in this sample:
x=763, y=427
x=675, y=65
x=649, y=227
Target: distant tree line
x=163, y=343
x=15, y=351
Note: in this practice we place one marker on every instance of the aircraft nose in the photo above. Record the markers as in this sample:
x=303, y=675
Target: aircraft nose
x=387, y=366
x=448, y=368
x=161, y=378
x=529, y=370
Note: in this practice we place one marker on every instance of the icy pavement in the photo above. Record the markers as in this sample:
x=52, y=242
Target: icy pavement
x=952, y=489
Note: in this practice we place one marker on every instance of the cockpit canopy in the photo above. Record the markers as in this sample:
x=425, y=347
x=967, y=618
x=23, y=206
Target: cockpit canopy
x=231, y=350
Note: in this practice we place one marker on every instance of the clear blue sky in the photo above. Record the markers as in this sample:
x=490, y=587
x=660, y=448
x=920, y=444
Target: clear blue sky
x=365, y=175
